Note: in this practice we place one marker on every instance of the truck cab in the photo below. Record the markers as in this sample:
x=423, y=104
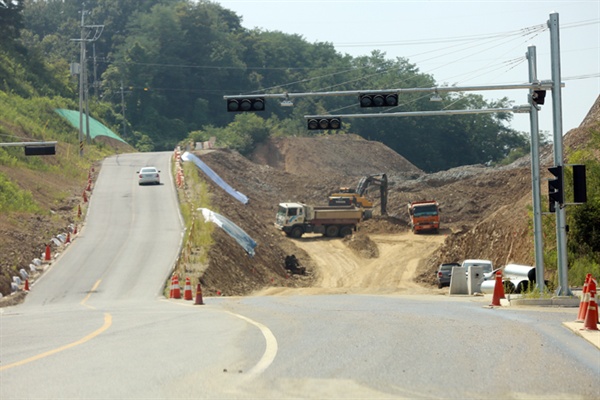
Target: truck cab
x=424, y=216
x=290, y=214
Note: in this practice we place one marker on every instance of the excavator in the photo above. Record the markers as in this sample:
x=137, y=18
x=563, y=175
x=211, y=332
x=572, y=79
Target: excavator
x=348, y=196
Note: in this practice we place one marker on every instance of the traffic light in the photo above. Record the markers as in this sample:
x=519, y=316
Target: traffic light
x=555, y=186
x=40, y=150
x=579, y=184
x=246, y=104
x=324, y=123
x=538, y=96
x=378, y=99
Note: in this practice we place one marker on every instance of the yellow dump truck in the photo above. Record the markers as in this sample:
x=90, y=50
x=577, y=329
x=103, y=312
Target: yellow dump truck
x=296, y=219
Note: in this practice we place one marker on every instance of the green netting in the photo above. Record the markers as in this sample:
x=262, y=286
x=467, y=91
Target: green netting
x=96, y=128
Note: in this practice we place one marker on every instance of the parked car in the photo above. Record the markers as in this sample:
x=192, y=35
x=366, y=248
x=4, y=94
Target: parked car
x=148, y=175
x=444, y=273
x=488, y=267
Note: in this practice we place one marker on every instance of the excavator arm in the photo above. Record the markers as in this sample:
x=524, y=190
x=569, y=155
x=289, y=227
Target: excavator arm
x=377, y=180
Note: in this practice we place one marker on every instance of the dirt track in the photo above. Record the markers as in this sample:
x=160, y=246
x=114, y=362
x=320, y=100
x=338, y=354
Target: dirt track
x=339, y=270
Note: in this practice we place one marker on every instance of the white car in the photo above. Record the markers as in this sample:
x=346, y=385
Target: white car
x=149, y=175
x=488, y=268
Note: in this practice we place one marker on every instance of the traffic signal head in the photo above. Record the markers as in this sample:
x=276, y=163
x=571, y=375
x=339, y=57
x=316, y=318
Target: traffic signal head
x=555, y=186
x=579, y=184
x=538, y=96
x=324, y=123
x=378, y=99
x=246, y=104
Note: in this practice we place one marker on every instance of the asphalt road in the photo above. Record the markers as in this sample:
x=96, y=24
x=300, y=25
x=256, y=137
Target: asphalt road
x=96, y=326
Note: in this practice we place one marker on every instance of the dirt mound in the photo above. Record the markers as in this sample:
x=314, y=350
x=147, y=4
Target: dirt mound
x=342, y=156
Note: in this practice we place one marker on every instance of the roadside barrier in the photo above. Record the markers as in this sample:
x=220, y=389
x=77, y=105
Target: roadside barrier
x=591, y=316
x=585, y=299
x=187, y=290
x=498, y=290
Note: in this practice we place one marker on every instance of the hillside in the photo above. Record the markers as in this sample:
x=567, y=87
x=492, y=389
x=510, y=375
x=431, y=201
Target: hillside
x=484, y=213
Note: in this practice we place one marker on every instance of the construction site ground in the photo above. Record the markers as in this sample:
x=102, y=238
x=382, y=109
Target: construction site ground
x=484, y=215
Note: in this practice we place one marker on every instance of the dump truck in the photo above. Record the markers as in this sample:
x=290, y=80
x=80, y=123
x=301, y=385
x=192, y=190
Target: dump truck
x=424, y=216
x=296, y=219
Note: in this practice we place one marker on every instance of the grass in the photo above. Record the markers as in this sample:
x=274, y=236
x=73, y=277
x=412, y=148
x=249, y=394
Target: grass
x=197, y=241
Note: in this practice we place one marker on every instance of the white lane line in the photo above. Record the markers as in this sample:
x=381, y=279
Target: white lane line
x=270, y=342
x=270, y=348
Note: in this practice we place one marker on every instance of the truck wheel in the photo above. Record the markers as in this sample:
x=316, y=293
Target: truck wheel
x=332, y=231
x=346, y=231
x=297, y=232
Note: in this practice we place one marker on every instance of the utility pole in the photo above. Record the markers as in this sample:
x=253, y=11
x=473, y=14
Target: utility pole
x=123, y=110
x=535, y=175
x=81, y=78
x=561, y=232
x=83, y=84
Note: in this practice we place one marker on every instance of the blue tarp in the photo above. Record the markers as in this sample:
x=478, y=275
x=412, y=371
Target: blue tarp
x=232, y=229
x=215, y=178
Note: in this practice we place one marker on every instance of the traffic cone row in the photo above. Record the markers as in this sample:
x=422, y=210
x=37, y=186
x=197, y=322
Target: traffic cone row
x=498, y=290
x=589, y=303
x=175, y=292
x=199, y=295
x=585, y=299
x=47, y=254
x=175, y=289
x=187, y=290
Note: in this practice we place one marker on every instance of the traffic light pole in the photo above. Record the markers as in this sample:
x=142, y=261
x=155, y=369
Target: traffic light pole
x=561, y=232
x=535, y=176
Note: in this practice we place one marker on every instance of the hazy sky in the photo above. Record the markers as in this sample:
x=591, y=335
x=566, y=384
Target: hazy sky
x=462, y=43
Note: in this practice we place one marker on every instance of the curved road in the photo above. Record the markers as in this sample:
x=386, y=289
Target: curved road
x=97, y=326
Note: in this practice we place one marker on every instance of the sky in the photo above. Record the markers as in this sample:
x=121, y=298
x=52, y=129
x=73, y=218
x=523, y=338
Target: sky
x=460, y=43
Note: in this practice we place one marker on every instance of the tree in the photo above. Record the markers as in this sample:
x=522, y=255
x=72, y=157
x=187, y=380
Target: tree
x=11, y=20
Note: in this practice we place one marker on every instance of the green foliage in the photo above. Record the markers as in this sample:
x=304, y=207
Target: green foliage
x=171, y=62
x=13, y=199
x=581, y=266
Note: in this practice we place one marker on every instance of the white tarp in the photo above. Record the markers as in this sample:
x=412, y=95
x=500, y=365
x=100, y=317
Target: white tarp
x=215, y=178
x=232, y=229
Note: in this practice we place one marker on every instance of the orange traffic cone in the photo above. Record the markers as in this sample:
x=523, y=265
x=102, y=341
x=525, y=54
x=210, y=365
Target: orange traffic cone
x=585, y=299
x=79, y=211
x=89, y=186
x=498, y=290
x=591, y=317
x=75, y=230
x=47, y=255
x=199, y=295
x=68, y=240
x=84, y=197
x=175, y=289
x=187, y=290
x=26, y=288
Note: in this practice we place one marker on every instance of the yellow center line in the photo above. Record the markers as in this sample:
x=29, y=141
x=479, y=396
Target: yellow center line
x=90, y=293
x=105, y=326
